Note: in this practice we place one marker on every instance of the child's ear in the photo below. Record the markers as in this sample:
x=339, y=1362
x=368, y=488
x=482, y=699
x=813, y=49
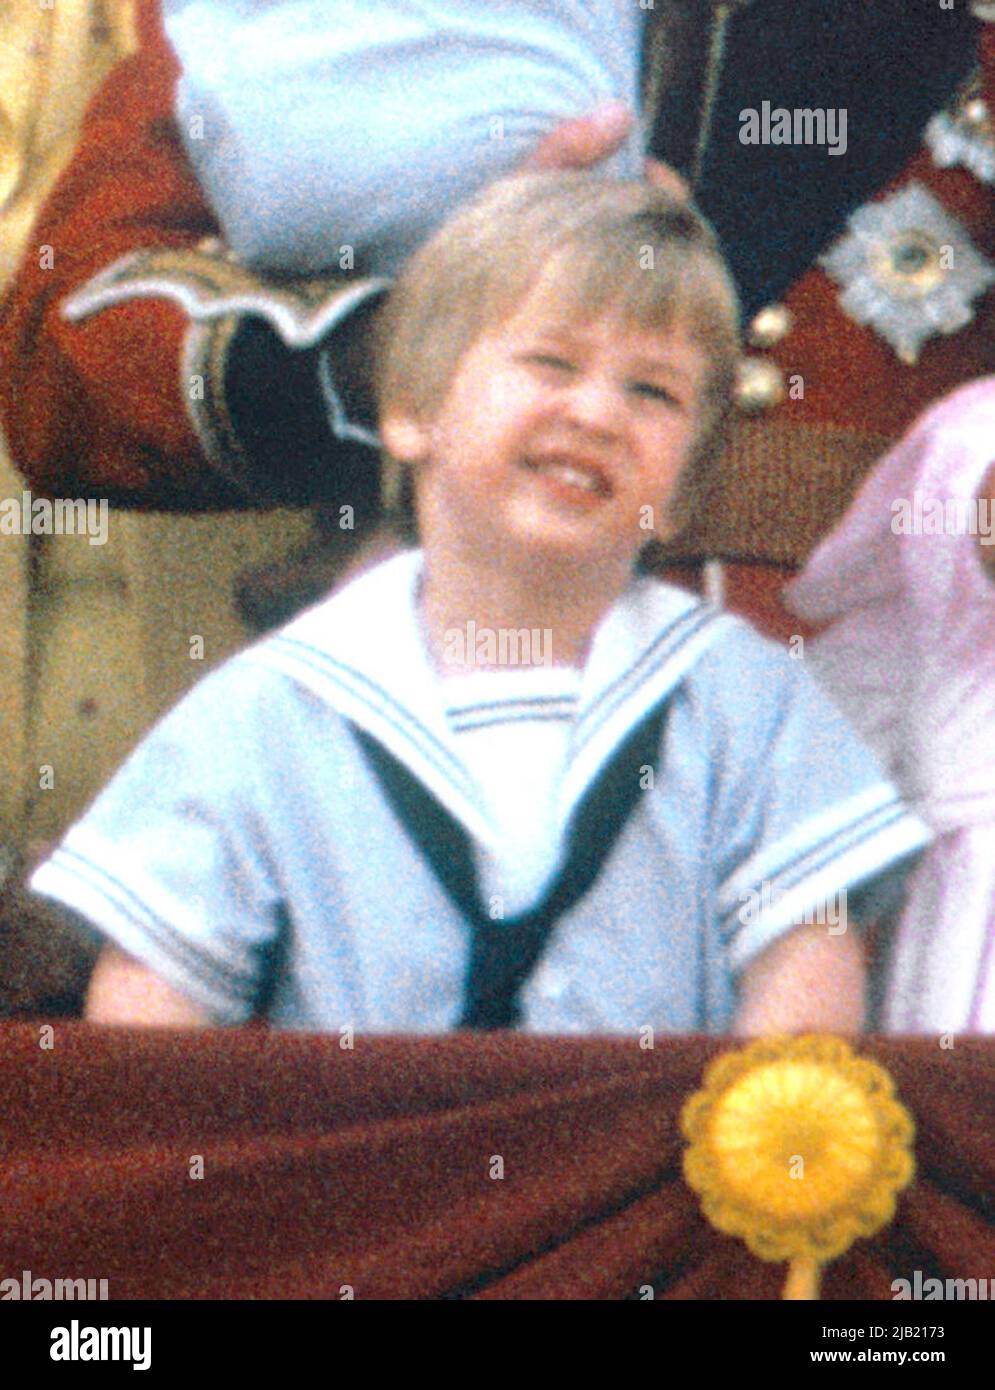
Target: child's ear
x=404, y=438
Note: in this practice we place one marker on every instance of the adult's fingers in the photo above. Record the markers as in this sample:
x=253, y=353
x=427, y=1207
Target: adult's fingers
x=583, y=140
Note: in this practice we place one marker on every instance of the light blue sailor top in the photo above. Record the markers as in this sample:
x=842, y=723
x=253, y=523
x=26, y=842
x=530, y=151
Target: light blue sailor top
x=320, y=125
x=247, y=848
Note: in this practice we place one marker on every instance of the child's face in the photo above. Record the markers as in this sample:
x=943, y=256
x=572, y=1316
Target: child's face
x=557, y=438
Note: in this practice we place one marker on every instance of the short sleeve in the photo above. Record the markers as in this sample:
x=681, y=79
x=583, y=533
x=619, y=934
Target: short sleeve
x=808, y=828
x=170, y=861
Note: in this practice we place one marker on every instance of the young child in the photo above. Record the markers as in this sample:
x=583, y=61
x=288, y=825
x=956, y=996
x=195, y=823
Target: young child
x=366, y=821
x=905, y=585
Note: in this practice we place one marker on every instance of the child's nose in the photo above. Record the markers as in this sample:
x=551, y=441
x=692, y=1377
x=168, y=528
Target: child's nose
x=593, y=402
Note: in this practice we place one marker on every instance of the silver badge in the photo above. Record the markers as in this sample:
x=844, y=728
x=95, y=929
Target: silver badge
x=908, y=269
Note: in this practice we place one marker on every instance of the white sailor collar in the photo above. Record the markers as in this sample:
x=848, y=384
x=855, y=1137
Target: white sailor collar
x=363, y=652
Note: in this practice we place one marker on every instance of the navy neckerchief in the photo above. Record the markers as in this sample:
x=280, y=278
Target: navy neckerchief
x=504, y=953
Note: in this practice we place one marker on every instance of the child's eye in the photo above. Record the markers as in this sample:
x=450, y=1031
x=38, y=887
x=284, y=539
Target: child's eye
x=549, y=359
x=650, y=391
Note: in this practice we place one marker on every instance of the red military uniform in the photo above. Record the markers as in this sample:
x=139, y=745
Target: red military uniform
x=116, y=377
x=835, y=393
x=101, y=401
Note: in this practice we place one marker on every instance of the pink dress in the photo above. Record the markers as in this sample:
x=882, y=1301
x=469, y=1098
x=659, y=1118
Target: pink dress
x=909, y=654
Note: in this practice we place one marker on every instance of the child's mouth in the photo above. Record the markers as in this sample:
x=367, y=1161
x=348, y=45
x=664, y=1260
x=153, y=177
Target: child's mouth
x=571, y=474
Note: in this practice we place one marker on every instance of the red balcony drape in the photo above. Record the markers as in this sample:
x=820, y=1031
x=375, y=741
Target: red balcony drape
x=376, y=1170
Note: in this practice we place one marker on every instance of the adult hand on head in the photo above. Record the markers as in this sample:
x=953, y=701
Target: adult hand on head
x=585, y=141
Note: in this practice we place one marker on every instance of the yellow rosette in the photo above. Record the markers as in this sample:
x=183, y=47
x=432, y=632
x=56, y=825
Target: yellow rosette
x=798, y=1146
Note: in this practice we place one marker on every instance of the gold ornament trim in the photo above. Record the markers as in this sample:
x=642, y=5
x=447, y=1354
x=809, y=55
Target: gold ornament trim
x=798, y=1146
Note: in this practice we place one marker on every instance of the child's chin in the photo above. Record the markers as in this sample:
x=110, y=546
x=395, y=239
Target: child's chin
x=548, y=543
x=555, y=525
x=543, y=538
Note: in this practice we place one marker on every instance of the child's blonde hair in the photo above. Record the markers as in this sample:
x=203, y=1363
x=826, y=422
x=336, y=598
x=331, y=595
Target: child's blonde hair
x=602, y=247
